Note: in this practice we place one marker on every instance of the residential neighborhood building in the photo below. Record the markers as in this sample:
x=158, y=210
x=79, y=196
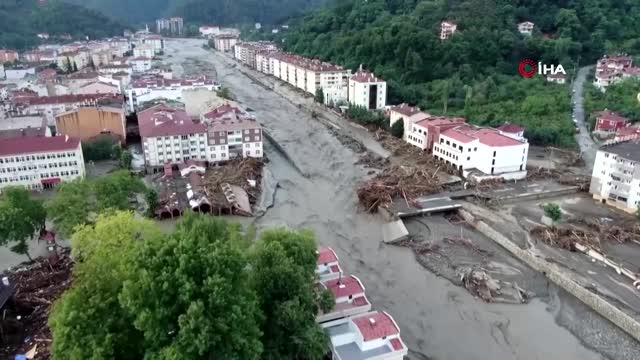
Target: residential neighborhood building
x=144, y=50
x=112, y=69
x=424, y=130
x=148, y=88
x=367, y=90
x=245, y=52
x=7, y=56
x=232, y=133
x=98, y=87
x=616, y=175
x=627, y=133
x=526, y=28
x=225, y=42
x=140, y=64
x=208, y=30
x=403, y=111
x=613, y=68
x=50, y=106
x=72, y=60
x=19, y=72
x=40, y=162
x=170, y=135
x=327, y=265
x=472, y=149
x=87, y=122
x=369, y=336
x=37, y=56
x=24, y=126
x=156, y=42
x=350, y=298
x=608, y=121
x=447, y=28
x=512, y=130
x=173, y=26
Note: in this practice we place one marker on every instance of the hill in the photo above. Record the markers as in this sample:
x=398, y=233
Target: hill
x=134, y=12
x=22, y=20
x=475, y=73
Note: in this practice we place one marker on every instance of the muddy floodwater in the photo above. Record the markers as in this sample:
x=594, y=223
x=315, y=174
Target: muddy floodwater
x=438, y=320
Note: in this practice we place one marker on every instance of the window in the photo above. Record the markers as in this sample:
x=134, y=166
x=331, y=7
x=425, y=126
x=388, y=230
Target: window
x=256, y=138
x=448, y=142
x=475, y=149
x=468, y=158
x=494, y=154
x=460, y=147
x=257, y=152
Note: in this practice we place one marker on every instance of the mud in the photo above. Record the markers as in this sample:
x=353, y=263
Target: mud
x=438, y=320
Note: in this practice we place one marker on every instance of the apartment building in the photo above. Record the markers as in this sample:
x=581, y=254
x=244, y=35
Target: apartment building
x=447, y=28
x=367, y=90
x=245, y=52
x=225, y=42
x=613, y=68
x=169, y=135
x=7, y=55
x=72, y=60
x=350, y=298
x=369, y=336
x=153, y=41
x=608, y=121
x=471, y=149
x=232, y=133
x=144, y=50
x=173, y=26
x=40, y=162
x=50, y=106
x=152, y=87
x=98, y=87
x=327, y=265
x=424, y=130
x=526, y=28
x=403, y=112
x=140, y=64
x=87, y=122
x=616, y=175
x=24, y=126
x=36, y=56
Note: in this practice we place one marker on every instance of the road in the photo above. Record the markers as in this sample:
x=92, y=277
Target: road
x=437, y=319
x=587, y=146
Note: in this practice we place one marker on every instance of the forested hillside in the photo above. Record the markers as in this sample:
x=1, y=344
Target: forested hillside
x=22, y=20
x=202, y=11
x=475, y=72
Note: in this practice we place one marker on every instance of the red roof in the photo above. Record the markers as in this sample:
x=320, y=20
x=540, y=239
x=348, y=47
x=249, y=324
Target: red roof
x=326, y=255
x=365, y=77
x=493, y=138
x=458, y=134
x=611, y=116
x=163, y=120
x=627, y=131
x=375, y=325
x=29, y=145
x=345, y=286
x=510, y=128
x=47, y=73
x=396, y=344
x=405, y=109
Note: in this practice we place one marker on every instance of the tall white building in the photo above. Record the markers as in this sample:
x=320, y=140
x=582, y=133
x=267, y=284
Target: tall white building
x=616, y=175
x=367, y=90
x=40, y=162
x=447, y=28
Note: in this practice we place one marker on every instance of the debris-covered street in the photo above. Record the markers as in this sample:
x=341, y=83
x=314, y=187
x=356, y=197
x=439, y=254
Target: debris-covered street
x=317, y=181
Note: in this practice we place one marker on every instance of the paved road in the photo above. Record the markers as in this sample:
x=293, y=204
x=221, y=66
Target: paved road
x=438, y=320
x=587, y=147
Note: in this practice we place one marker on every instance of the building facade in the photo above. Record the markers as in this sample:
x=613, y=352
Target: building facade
x=232, y=133
x=40, y=162
x=616, y=175
x=609, y=122
x=447, y=28
x=7, y=55
x=150, y=88
x=87, y=122
x=526, y=28
x=225, y=42
x=368, y=91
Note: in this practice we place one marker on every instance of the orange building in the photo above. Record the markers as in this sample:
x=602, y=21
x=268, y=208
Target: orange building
x=88, y=122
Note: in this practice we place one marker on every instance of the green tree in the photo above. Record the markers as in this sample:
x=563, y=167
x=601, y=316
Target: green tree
x=225, y=93
x=552, y=211
x=21, y=218
x=283, y=272
x=151, y=197
x=326, y=301
x=397, y=129
x=125, y=160
x=192, y=295
x=319, y=96
x=71, y=206
x=88, y=321
x=113, y=191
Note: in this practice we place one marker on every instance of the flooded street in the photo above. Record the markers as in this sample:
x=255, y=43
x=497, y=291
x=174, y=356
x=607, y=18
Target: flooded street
x=438, y=320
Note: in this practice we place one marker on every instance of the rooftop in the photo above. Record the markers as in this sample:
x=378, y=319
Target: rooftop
x=629, y=150
x=405, y=109
x=363, y=76
x=326, y=255
x=65, y=99
x=344, y=286
x=510, y=128
x=29, y=145
x=611, y=116
x=163, y=120
x=375, y=325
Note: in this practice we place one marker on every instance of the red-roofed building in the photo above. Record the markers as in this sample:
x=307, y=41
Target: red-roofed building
x=627, y=133
x=488, y=151
x=8, y=56
x=232, y=133
x=367, y=90
x=512, y=131
x=50, y=106
x=613, y=68
x=609, y=121
x=350, y=298
x=425, y=130
x=404, y=112
x=40, y=162
x=373, y=335
x=327, y=266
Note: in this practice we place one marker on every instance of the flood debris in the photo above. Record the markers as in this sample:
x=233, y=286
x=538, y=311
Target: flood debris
x=36, y=287
x=589, y=233
x=373, y=161
x=481, y=284
x=235, y=177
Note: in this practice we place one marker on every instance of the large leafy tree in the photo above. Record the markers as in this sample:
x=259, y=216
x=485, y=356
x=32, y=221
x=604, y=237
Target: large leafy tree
x=71, y=206
x=284, y=263
x=21, y=218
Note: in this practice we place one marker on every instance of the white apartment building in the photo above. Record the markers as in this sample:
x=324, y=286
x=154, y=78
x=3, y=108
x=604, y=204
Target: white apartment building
x=153, y=41
x=140, y=64
x=447, y=28
x=526, y=28
x=470, y=149
x=169, y=135
x=50, y=106
x=367, y=90
x=225, y=42
x=616, y=175
x=40, y=162
x=350, y=298
x=370, y=336
x=232, y=133
x=144, y=50
x=150, y=88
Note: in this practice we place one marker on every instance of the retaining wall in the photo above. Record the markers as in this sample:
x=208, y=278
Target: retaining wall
x=597, y=303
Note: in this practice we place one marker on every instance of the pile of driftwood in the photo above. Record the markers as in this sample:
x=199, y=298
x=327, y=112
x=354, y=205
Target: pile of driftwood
x=397, y=182
x=36, y=287
x=565, y=237
x=621, y=232
x=246, y=173
x=481, y=284
x=372, y=160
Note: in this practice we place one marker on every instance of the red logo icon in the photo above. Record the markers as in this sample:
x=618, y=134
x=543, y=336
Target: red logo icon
x=522, y=68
